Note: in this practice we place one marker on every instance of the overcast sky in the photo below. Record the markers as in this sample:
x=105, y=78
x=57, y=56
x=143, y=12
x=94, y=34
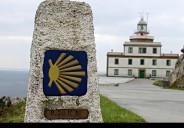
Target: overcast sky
x=114, y=22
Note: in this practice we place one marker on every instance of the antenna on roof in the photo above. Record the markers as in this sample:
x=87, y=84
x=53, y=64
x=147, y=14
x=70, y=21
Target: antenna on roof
x=141, y=14
x=147, y=16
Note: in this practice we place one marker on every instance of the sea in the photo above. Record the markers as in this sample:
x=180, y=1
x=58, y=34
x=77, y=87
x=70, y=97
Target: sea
x=13, y=83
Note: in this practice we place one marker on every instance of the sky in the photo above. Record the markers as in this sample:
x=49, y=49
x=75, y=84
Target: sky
x=114, y=22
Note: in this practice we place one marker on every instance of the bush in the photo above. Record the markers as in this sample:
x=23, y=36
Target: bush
x=157, y=82
x=12, y=112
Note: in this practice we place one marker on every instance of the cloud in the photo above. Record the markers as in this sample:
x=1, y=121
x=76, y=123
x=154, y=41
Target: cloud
x=15, y=52
x=105, y=43
x=17, y=17
x=114, y=21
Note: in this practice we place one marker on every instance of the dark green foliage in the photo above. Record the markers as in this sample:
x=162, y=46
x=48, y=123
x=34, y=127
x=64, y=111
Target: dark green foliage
x=11, y=112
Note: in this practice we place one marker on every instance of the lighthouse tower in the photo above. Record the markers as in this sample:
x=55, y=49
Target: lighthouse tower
x=141, y=35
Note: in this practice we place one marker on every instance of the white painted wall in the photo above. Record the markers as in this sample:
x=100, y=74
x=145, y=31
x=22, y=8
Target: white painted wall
x=123, y=62
x=124, y=72
x=123, y=66
x=136, y=51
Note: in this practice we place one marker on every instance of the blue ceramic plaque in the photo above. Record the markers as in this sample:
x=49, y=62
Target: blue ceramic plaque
x=65, y=73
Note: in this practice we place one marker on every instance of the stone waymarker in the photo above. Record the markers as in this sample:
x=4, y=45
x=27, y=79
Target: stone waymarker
x=63, y=80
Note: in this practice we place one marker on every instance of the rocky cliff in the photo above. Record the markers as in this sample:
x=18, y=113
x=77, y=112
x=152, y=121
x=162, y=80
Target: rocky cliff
x=177, y=76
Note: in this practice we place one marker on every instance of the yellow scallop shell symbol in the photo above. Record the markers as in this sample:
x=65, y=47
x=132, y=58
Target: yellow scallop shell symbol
x=65, y=73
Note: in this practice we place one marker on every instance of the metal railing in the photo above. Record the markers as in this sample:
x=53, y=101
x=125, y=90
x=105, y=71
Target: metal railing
x=140, y=37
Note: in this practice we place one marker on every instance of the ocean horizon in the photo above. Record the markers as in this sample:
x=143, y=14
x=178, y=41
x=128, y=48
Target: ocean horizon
x=14, y=83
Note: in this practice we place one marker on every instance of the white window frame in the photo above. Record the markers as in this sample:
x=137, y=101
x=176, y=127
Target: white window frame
x=154, y=62
x=168, y=73
x=131, y=61
x=168, y=62
x=116, y=71
x=154, y=52
x=143, y=62
x=154, y=73
x=129, y=72
x=143, y=50
x=130, y=49
x=116, y=61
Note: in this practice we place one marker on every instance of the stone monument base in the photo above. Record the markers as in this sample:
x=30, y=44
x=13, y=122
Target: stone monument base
x=63, y=87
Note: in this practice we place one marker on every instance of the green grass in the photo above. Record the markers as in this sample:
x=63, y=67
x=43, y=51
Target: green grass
x=111, y=113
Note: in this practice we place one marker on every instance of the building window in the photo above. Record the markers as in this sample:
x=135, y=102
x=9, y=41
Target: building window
x=142, y=50
x=130, y=50
x=154, y=62
x=168, y=62
x=168, y=73
x=154, y=73
x=116, y=71
x=154, y=50
x=129, y=61
x=129, y=72
x=141, y=62
x=116, y=61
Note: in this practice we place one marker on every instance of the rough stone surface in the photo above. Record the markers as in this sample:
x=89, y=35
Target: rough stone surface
x=177, y=76
x=62, y=25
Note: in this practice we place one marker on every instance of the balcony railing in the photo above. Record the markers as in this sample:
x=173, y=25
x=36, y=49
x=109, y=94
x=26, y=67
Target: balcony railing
x=141, y=37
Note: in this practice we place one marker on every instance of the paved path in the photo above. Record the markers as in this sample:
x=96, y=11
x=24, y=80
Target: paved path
x=113, y=80
x=152, y=103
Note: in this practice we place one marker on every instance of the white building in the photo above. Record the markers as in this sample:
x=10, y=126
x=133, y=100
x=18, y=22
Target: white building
x=141, y=57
